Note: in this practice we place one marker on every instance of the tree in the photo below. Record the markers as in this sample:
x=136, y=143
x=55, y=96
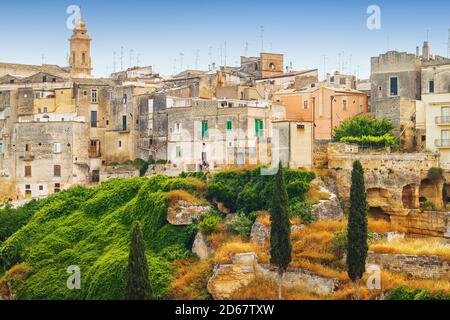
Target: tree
x=280, y=233
x=365, y=128
x=138, y=283
x=357, y=228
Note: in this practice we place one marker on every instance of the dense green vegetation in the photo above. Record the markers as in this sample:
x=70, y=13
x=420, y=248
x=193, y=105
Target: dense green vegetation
x=249, y=191
x=90, y=228
x=404, y=293
x=366, y=131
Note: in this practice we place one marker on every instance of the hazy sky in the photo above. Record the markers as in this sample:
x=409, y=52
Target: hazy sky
x=305, y=31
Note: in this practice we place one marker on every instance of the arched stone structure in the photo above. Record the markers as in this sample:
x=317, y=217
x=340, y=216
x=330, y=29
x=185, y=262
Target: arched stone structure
x=432, y=191
x=410, y=196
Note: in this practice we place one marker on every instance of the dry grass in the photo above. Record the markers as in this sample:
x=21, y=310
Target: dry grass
x=260, y=288
x=224, y=253
x=264, y=217
x=320, y=270
x=200, y=186
x=421, y=247
x=314, y=195
x=235, y=168
x=176, y=195
x=382, y=226
x=191, y=280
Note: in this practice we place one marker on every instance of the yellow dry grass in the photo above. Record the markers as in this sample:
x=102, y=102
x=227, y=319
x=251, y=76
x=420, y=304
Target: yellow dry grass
x=260, y=288
x=382, y=226
x=425, y=247
x=200, y=186
x=191, y=280
x=224, y=253
x=177, y=195
x=314, y=195
x=320, y=269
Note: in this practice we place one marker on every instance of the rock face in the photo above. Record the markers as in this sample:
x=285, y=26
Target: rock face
x=261, y=233
x=327, y=209
x=201, y=248
x=184, y=212
x=424, y=267
x=229, y=278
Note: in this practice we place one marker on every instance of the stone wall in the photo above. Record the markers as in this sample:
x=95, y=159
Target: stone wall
x=424, y=267
x=429, y=223
x=227, y=279
x=320, y=152
x=183, y=212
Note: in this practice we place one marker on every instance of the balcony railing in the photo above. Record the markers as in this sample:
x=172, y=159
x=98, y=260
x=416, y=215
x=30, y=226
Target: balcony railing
x=442, y=120
x=442, y=143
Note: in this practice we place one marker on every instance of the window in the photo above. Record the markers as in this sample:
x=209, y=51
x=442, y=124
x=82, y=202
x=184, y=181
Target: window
x=431, y=86
x=27, y=171
x=178, y=152
x=344, y=103
x=27, y=148
x=57, y=187
x=305, y=104
x=177, y=127
x=393, y=86
x=45, y=110
x=83, y=58
x=204, y=129
x=124, y=123
x=125, y=98
x=94, y=96
x=120, y=144
x=28, y=194
x=259, y=127
x=93, y=119
x=57, y=171
x=57, y=148
x=1, y=146
x=44, y=79
x=229, y=124
x=41, y=188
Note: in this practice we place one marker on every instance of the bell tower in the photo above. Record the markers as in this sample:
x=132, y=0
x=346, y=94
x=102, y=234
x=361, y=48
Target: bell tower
x=80, y=51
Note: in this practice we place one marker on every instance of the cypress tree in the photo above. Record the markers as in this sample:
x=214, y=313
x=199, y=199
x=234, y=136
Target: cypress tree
x=138, y=283
x=357, y=246
x=280, y=233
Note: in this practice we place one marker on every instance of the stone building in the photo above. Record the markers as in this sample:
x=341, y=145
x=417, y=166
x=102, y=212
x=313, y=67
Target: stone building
x=265, y=66
x=220, y=132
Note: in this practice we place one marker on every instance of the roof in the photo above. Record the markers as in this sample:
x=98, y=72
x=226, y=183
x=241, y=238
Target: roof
x=290, y=74
x=26, y=70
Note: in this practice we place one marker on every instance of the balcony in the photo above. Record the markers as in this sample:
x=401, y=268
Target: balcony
x=442, y=143
x=445, y=120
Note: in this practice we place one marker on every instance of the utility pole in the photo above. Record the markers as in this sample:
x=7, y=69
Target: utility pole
x=225, y=53
x=114, y=62
x=262, y=38
x=245, y=49
x=121, y=58
x=197, y=53
x=131, y=58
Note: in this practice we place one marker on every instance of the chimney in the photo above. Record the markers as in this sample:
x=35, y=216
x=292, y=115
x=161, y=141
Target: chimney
x=417, y=51
x=426, y=51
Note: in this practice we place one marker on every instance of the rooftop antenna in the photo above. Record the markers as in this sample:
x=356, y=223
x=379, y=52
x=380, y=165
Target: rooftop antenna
x=131, y=58
x=196, y=59
x=245, y=49
x=221, y=56
x=339, y=61
x=114, y=62
x=262, y=38
x=68, y=58
x=210, y=55
x=137, y=60
x=107, y=70
x=43, y=59
x=448, y=44
x=350, y=65
x=324, y=66
x=175, y=66
x=225, y=54
x=428, y=34
x=388, y=44
x=181, y=60
x=121, y=58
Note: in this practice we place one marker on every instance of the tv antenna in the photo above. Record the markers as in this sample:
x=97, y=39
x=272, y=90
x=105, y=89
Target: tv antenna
x=262, y=38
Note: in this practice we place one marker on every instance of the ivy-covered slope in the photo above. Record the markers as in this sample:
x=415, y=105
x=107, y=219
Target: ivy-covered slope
x=90, y=228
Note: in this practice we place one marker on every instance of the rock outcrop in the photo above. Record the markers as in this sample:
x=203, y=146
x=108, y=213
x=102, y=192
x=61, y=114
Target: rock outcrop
x=184, y=212
x=261, y=233
x=227, y=279
x=327, y=209
x=200, y=247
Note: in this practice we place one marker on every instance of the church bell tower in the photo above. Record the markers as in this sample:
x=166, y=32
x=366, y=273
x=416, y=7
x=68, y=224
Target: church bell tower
x=80, y=52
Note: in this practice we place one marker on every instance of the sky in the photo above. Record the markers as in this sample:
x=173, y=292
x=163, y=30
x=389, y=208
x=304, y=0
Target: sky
x=172, y=35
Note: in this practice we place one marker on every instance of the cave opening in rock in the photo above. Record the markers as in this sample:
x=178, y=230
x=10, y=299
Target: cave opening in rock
x=378, y=213
x=410, y=196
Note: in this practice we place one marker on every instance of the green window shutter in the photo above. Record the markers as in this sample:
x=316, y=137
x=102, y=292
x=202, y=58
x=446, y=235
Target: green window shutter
x=178, y=152
x=229, y=125
x=256, y=126
x=204, y=129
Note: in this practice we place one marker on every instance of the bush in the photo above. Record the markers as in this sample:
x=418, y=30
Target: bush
x=362, y=125
x=209, y=223
x=372, y=141
x=240, y=225
x=297, y=189
x=301, y=209
x=405, y=293
x=428, y=205
x=435, y=174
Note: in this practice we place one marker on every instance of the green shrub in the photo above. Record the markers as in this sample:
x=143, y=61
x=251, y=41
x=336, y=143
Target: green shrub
x=362, y=125
x=241, y=225
x=372, y=141
x=435, y=174
x=301, y=209
x=209, y=223
x=297, y=189
x=405, y=293
x=428, y=205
